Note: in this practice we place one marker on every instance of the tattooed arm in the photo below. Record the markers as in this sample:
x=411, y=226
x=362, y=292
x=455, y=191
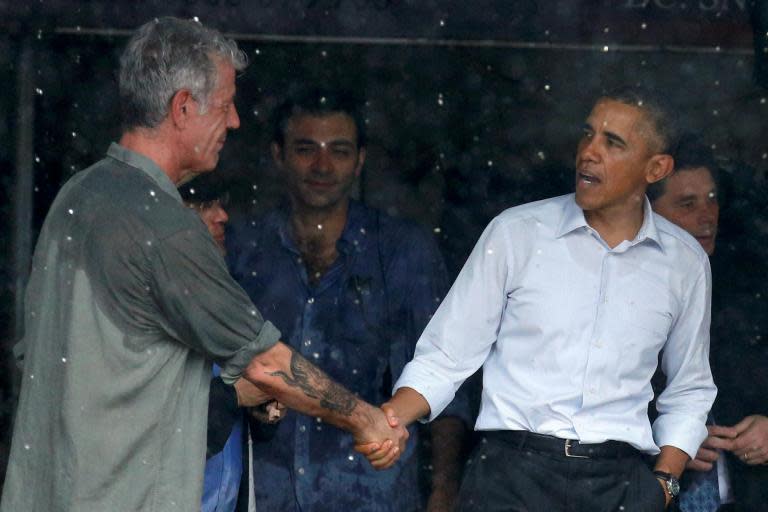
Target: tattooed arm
x=297, y=383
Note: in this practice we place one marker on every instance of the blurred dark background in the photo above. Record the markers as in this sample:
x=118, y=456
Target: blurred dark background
x=471, y=107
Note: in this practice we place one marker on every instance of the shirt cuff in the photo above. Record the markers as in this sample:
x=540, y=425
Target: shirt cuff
x=435, y=389
x=680, y=431
x=233, y=368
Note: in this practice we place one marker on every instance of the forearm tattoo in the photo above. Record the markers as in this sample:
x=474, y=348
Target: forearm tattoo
x=316, y=384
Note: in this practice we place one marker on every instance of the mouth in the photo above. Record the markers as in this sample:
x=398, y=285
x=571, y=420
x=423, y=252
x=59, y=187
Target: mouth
x=587, y=178
x=320, y=184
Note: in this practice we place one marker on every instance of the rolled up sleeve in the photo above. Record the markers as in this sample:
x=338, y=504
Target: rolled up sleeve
x=204, y=308
x=690, y=390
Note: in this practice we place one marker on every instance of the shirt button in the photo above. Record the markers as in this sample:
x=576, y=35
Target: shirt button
x=301, y=471
x=598, y=344
x=302, y=428
x=593, y=390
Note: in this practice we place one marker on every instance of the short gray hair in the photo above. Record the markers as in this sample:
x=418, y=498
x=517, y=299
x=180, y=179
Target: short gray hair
x=164, y=56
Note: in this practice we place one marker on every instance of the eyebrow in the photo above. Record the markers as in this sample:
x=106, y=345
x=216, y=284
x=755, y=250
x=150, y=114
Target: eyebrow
x=615, y=138
x=337, y=142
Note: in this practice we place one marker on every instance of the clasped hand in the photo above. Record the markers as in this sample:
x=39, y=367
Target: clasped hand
x=385, y=439
x=747, y=440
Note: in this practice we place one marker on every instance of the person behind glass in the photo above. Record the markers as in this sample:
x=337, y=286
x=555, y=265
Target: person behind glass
x=129, y=300
x=566, y=304
x=351, y=288
x=689, y=198
x=229, y=430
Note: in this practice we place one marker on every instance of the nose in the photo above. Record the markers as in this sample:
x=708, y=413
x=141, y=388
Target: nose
x=322, y=160
x=709, y=213
x=588, y=150
x=220, y=214
x=233, y=119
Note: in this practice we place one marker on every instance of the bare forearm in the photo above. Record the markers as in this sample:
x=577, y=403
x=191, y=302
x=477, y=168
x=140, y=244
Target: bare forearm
x=671, y=460
x=291, y=379
x=409, y=405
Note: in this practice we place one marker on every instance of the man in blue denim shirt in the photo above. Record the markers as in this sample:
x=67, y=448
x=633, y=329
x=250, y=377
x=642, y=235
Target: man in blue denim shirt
x=351, y=289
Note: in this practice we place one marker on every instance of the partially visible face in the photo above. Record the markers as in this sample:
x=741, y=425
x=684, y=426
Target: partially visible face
x=690, y=201
x=208, y=129
x=613, y=158
x=320, y=159
x=215, y=218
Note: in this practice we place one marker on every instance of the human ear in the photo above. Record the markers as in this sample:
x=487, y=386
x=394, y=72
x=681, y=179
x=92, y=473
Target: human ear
x=659, y=167
x=180, y=110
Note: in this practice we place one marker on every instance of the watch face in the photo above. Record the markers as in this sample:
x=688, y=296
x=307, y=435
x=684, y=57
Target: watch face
x=673, y=486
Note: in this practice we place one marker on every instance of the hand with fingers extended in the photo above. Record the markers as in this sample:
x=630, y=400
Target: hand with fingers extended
x=751, y=442
x=719, y=438
x=384, y=441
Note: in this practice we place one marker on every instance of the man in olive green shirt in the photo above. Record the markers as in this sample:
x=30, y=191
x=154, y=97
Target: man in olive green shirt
x=129, y=301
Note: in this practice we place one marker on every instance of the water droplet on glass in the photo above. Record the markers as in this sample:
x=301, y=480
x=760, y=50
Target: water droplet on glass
x=31, y=376
x=257, y=51
x=762, y=101
x=63, y=359
x=605, y=48
x=69, y=238
x=351, y=458
x=546, y=87
x=643, y=26
x=490, y=251
x=37, y=159
x=195, y=19
x=442, y=23
x=255, y=112
x=324, y=53
x=320, y=227
x=440, y=100
x=26, y=446
x=606, y=30
x=38, y=91
x=74, y=134
x=152, y=193
x=437, y=230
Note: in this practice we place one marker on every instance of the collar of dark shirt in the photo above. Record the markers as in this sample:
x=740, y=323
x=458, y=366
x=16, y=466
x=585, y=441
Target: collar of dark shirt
x=355, y=236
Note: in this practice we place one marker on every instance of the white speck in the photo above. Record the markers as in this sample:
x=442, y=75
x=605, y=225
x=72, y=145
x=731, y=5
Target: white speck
x=149, y=242
x=442, y=23
x=316, y=355
x=351, y=458
x=324, y=53
x=354, y=371
x=69, y=238
x=255, y=112
x=144, y=461
x=301, y=471
x=253, y=312
x=605, y=48
x=362, y=230
x=63, y=359
x=307, y=343
x=74, y=134
x=546, y=87
x=541, y=155
x=37, y=159
x=490, y=251
x=538, y=251
x=437, y=230
x=715, y=112
x=440, y=100
x=257, y=51
x=311, y=300
x=643, y=26
x=762, y=101
x=178, y=430
x=31, y=376
x=606, y=30
x=26, y=446
x=196, y=19
x=39, y=91
x=320, y=227
x=152, y=193
x=71, y=211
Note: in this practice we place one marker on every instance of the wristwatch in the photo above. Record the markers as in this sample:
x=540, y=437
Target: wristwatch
x=671, y=483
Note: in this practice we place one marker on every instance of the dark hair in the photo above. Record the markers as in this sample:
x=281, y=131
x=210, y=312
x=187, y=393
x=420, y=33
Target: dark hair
x=317, y=102
x=658, y=110
x=205, y=188
x=691, y=154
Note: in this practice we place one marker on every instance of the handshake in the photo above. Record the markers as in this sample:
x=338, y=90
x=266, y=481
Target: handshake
x=377, y=432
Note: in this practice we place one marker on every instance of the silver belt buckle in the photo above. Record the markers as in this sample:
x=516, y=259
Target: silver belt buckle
x=568, y=451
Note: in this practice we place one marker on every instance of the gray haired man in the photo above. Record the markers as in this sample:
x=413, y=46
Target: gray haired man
x=129, y=301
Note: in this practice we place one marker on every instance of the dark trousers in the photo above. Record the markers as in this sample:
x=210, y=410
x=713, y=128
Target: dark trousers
x=501, y=476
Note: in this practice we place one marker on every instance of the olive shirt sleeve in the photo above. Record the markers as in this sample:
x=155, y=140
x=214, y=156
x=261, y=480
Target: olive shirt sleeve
x=203, y=307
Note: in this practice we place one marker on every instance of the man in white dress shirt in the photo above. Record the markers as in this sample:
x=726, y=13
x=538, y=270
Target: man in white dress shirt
x=566, y=304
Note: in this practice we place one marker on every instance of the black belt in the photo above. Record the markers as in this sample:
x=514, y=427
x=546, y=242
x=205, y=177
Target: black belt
x=522, y=439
